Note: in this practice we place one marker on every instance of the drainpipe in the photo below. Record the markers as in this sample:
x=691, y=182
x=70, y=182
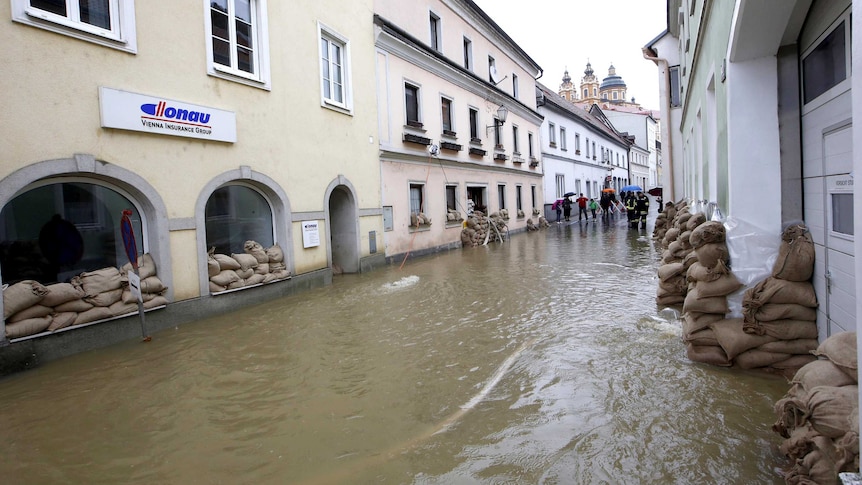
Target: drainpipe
x=651, y=56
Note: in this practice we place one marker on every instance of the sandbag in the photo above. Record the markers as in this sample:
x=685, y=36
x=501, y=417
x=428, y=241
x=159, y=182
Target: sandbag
x=213, y=267
x=216, y=288
x=246, y=261
x=61, y=320
x=799, y=443
x=152, y=284
x=74, y=306
x=275, y=254
x=794, y=346
x=245, y=274
x=255, y=249
x=158, y=301
x=128, y=297
x=689, y=260
x=711, y=253
x=28, y=327
x=794, y=363
x=100, y=281
x=683, y=240
x=146, y=266
x=262, y=268
x=225, y=262
x=795, y=254
x=695, y=220
x=733, y=340
x=699, y=272
x=670, y=299
x=236, y=284
x=93, y=314
x=819, y=373
x=60, y=293
x=783, y=329
x=22, y=295
x=225, y=278
x=722, y=286
x=254, y=279
x=791, y=415
x=281, y=274
x=840, y=349
x=694, y=303
x=701, y=337
x=673, y=286
x=106, y=298
x=708, y=232
x=694, y=321
x=670, y=270
x=707, y=355
x=34, y=311
x=780, y=311
x=120, y=307
x=776, y=290
x=829, y=409
x=756, y=358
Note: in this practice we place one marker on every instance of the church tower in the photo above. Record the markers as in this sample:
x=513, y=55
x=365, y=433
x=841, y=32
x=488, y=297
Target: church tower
x=589, y=86
x=613, y=88
x=567, y=89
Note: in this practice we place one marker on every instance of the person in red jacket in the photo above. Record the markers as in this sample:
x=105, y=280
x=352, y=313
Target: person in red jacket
x=582, y=208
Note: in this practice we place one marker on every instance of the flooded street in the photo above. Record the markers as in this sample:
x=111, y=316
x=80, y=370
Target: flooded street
x=540, y=360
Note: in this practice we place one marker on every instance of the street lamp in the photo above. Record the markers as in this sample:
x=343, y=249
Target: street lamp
x=500, y=120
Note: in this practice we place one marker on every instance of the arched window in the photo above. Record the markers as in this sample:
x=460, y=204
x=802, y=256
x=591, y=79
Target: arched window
x=59, y=229
x=586, y=93
x=235, y=214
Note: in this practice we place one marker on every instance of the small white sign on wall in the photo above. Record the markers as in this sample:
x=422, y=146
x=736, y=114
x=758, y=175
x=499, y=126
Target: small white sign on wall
x=310, y=234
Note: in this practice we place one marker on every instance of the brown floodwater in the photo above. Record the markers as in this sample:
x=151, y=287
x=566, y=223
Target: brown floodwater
x=543, y=359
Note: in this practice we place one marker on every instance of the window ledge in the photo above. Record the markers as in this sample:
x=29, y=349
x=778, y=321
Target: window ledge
x=419, y=140
x=478, y=151
x=450, y=146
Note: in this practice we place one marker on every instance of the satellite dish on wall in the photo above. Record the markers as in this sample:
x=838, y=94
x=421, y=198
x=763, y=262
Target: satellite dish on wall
x=495, y=76
x=433, y=149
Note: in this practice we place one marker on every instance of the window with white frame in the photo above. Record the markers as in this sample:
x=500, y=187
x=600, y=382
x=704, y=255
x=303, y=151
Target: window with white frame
x=501, y=195
x=237, y=47
x=411, y=104
x=519, y=200
x=468, y=54
x=588, y=148
x=474, y=124
x=515, y=145
x=533, y=195
x=451, y=197
x=577, y=143
x=417, y=201
x=446, y=115
x=434, y=26
x=562, y=138
x=560, y=185
x=106, y=22
x=552, y=134
x=334, y=73
x=514, y=85
x=530, y=145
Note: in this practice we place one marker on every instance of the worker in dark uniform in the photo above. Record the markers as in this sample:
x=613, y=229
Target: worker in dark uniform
x=641, y=209
x=629, y=201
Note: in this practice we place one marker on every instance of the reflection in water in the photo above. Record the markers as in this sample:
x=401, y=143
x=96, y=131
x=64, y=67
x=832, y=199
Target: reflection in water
x=540, y=360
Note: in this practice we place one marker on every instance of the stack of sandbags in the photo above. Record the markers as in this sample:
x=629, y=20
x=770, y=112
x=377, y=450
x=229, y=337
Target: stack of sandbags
x=22, y=311
x=784, y=306
x=819, y=415
x=661, y=226
x=254, y=266
x=31, y=308
x=672, y=284
x=419, y=219
x=479, y=228
x=543, y=223
x=453, y=216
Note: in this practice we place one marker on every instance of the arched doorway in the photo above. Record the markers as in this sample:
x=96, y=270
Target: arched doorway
x=343, y=231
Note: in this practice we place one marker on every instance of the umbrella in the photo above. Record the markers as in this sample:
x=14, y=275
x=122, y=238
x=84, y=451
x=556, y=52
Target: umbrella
x=655, y=191
x=569, y=194
x=632, y=188
x=608, y=190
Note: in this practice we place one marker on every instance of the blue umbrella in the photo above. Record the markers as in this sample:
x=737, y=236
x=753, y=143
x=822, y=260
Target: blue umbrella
x=632, y=188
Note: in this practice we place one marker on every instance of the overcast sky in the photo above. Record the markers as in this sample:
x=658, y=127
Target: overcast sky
x=560, y=34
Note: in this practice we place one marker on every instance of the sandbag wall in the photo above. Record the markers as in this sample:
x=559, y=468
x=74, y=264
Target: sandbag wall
x=819, y=415
x=30, y=308
x=255, y=265
x=479, y=228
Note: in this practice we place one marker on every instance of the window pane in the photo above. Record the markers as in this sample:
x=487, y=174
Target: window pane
x=474, y=124
x=411, y=101
x=236, y=214
x=244, y=59
x=221, y=52
x=445, y=108
x=95, y=12
x=58, y=231
x=243, y=34
x=415, y=199
x=243, y=10
x=825, y=66
x=450, y=198
x=842, y=213
x=54, y=6
x=219, y=25
x=220, y=5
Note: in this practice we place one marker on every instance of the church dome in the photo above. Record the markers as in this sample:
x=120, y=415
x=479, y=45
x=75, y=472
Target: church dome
x=612, y=80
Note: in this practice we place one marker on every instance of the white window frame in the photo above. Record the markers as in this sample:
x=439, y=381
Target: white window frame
x=333, y=38
x=563, y=138
x=435, y=31
x=260, y=33
x=419, y=113
x=515, y=85
x=122, y=36
x=468, y=54
x=552, y=134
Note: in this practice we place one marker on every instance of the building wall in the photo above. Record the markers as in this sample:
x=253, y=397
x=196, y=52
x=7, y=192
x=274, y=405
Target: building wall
x=288, y=146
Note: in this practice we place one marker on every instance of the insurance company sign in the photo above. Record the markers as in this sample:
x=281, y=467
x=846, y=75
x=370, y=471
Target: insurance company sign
x=140, y=112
